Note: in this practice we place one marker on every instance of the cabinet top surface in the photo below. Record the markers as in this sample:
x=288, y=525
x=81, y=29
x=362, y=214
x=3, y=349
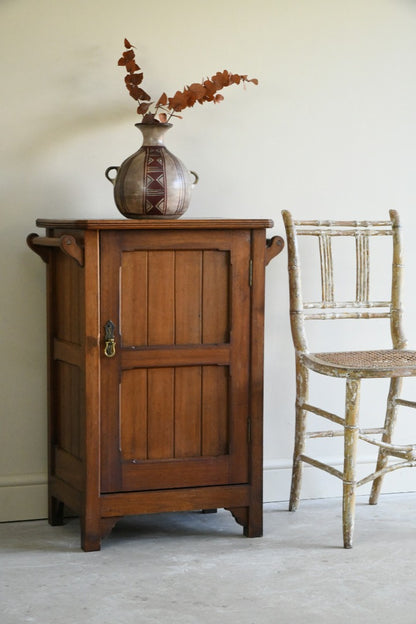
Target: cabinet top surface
x=154, y=224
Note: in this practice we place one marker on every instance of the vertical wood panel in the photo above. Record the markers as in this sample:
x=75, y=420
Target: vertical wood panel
x=160, y=391
x=134, y=298
x=133, y=416
x=255, y=454
x=75, y=415
x=216, y=297
x=68, y=407
x=240, y=356
x=215, y=411
x=90, y=445
x=188, y=278
x=110, y=265
x=67, y=291
x=63, y=393
x=161, y=297
x=188, y=411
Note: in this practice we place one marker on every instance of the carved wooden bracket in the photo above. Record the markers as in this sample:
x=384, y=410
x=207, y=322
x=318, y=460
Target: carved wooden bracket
x=108, y=524
x=273, y=247
x=66, y=243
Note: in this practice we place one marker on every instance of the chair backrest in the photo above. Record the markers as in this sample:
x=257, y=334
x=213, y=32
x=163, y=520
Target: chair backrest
x=361, y=307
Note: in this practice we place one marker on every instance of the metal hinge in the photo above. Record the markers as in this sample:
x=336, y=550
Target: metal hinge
x=250, y=273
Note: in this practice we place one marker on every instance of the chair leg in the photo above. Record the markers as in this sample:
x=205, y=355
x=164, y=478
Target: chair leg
x=389, y=423
x=302, y=386
x=351, y=431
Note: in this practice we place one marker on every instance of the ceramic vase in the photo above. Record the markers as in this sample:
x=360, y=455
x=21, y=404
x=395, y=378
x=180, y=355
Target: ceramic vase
x=152, y=183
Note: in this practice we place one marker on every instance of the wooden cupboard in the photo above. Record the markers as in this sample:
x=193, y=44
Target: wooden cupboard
x=155, y=367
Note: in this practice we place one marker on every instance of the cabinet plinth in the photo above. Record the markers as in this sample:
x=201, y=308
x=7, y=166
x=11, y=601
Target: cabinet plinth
x=155, y=368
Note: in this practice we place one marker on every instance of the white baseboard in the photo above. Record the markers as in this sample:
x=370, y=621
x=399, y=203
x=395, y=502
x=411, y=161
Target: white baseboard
x=318, y=484
x=25, y=497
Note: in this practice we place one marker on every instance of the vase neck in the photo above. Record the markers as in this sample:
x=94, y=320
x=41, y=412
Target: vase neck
x=153, y=134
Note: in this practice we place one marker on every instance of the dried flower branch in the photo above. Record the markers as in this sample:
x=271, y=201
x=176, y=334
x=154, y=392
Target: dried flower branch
x=167, y=107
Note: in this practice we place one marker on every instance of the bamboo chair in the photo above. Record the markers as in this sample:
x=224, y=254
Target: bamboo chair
x=354, y=366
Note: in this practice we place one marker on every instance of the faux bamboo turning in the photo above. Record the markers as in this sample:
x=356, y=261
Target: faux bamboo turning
x=354, y=366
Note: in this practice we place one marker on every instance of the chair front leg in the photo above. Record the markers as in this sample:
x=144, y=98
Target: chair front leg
x=302, y=390
x=389, y=423
x=351, y=432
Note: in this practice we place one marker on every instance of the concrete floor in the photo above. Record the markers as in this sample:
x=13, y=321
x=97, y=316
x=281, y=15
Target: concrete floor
x=189, y=568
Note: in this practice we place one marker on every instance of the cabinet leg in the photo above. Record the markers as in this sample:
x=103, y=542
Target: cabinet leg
x=90, y=538
x=55, y=511
x=90, y=543
x=250, y=518
x=254, y=527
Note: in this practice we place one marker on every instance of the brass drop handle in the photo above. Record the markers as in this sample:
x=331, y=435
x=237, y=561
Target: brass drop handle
x=109, y=340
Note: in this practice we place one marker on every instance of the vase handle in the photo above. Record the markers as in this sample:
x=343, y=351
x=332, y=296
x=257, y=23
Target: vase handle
x=196, y=176
x=107, y=171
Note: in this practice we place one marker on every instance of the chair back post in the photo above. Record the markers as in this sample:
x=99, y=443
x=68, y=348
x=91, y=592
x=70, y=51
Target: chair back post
x=295, y=286
x=397, y=334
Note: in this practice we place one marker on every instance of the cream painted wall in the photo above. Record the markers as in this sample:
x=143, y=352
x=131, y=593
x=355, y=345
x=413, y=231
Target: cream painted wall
x=329, y=131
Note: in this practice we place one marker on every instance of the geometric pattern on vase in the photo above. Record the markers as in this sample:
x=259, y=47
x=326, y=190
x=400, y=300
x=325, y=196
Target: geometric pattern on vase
x=154, y=188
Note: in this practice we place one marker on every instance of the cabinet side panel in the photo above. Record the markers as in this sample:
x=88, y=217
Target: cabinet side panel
x=216, y=297
x=67, y=389
x=66, y=288
x=66, y=340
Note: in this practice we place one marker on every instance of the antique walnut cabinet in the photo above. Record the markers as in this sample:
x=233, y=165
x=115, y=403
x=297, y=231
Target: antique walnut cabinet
x=155, y=374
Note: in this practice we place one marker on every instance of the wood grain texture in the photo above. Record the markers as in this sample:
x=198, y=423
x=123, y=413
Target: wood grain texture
x=173, y=421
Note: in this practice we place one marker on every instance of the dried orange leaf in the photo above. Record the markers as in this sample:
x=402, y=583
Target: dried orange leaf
x=138, y=94
x=143, y=108
x=129, y=55
x=197, y=89
x=131, y=66
x=163, y=100
x=134, y=79
x=143, y=95
x=236, y=79
x=178, y=102
x=204, y=91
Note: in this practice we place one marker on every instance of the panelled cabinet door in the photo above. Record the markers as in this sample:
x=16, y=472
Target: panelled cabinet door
x=175, y=392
